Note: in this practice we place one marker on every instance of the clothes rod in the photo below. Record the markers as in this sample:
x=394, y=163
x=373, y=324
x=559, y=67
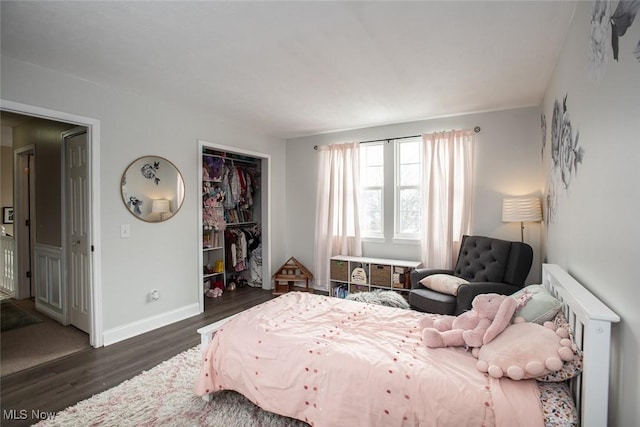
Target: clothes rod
x=231, y=159
x=475, y=129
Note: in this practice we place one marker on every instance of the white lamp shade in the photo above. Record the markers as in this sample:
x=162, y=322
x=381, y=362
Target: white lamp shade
x=521, y=209
x=160, y=206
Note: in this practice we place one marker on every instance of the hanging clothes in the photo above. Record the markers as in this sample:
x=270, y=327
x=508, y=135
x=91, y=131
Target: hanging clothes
x=239, y=244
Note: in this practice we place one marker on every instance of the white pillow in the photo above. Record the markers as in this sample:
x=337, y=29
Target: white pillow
x=444, y=283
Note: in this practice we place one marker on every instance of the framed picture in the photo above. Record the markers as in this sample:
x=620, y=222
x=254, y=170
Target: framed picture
x=7, y=215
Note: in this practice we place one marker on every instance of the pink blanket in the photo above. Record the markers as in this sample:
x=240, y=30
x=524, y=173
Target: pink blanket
x=330, y=362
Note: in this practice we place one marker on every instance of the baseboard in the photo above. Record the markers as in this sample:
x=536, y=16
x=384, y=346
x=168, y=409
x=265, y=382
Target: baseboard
x=120, y=333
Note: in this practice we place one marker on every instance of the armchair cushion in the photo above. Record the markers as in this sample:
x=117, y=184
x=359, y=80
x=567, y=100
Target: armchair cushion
x=444, y=283
x=429, y=301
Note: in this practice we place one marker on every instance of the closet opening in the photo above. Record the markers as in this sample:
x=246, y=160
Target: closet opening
x=234, y=227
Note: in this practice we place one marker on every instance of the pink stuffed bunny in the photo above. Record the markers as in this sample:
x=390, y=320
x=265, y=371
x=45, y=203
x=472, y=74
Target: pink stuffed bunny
x=490, y=315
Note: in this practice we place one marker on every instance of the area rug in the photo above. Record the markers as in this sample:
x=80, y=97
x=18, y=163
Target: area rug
x=163, y=396
x=13, y=317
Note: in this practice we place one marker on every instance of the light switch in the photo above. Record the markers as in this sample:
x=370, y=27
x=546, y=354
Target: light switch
x=125, y=231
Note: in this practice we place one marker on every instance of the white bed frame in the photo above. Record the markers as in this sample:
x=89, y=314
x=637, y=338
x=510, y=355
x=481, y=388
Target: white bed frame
x=591, y=322
x=207, y=332
x=206, y=335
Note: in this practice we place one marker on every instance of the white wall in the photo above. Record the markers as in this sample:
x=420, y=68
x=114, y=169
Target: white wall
x=596, y=229
x=508, y=161
x=164, y=255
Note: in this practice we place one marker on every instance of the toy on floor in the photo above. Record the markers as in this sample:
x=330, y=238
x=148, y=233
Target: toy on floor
x=214, y=293
x=216, y=290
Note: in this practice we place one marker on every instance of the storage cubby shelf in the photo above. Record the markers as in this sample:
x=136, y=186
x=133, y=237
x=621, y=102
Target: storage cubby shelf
x=361, y=274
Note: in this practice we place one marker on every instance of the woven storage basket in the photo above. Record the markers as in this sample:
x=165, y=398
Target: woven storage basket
x=380, y=275
x=339, y=270
x=358, y=288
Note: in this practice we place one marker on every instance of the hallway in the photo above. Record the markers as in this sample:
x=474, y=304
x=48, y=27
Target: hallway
x=35, y=344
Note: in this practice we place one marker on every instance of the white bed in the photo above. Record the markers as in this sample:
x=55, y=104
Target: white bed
x=591, y=322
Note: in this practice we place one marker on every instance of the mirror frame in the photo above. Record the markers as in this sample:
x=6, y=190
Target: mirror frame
x=149, y=168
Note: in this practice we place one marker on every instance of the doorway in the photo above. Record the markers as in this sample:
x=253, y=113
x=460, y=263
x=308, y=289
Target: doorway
x=54, y=264
x=39, y=279
x=235, y=219
x=24, y=212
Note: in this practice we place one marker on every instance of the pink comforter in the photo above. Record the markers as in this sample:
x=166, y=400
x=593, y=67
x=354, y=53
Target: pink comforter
x=332, y=362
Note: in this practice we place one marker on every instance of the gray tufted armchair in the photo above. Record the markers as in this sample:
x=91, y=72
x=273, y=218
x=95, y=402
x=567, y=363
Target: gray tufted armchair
x=490, y=265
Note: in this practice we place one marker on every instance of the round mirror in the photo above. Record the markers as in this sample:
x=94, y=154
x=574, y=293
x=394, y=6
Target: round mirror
x=152, y=189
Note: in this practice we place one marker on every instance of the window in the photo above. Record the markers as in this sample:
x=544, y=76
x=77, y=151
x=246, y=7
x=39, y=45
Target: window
x=408, y=172
x=372, y=190
x=391, y=180
x=402, y=181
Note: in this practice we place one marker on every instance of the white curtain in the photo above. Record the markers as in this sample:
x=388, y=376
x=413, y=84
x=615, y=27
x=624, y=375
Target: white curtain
x=337, y=221
x=447, y=195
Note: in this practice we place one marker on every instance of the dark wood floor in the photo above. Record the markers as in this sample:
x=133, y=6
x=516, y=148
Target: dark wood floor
x=61, y=383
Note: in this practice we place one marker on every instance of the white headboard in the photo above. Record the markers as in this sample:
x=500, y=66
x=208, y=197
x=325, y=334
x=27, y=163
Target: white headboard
x=591, y=322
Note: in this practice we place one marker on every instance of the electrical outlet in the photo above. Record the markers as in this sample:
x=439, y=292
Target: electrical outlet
x=155, y=295
x=125, y=231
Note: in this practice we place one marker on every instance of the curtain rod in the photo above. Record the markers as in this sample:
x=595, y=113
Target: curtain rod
x=476, y=129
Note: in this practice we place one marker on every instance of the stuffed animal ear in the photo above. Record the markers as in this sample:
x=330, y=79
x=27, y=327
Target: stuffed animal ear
x=502, y=319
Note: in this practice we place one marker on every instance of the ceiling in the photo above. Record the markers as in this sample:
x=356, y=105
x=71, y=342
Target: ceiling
x=300, y=68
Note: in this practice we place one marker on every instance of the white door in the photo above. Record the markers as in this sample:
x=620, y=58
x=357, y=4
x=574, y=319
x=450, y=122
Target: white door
x=77, y=229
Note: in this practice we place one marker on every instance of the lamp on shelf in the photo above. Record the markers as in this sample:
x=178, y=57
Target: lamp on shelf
x=521, y=209
x=160, y=206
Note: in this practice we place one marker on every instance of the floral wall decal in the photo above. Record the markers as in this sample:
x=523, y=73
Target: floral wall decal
x=599, y=38
x=551, y=201
x=556, y=126
x=134, y=204
x=149, y=171
x=566, y=154
x=607, y=26
x=570, y=153
x=543, y=128
x=621, y=20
